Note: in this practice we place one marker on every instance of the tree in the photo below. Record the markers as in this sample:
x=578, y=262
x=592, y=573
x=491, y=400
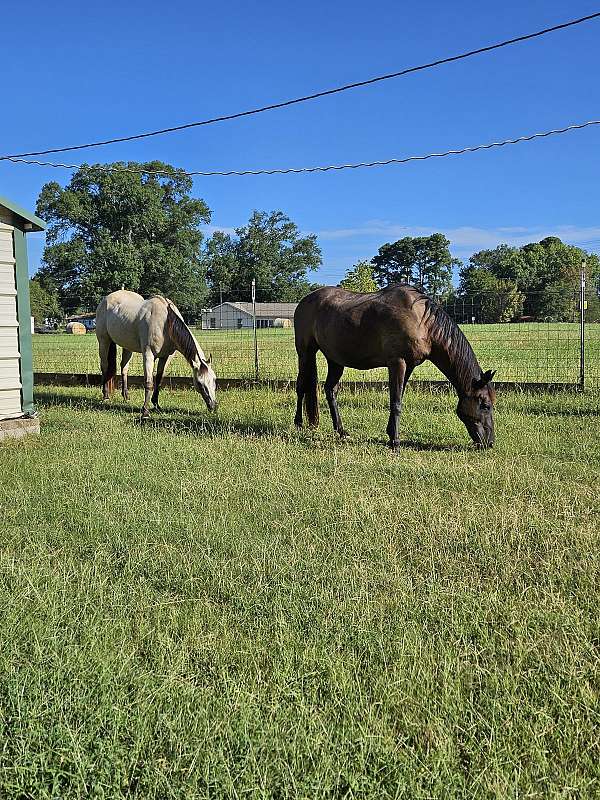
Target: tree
x=269, y=249
x=547, y=273
x=360, y=278
x=423, y=261
x=44, y=303
x=109, y=228
x=487, y=298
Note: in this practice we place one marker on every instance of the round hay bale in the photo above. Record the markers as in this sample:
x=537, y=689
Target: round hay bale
x=76, y=327
x=280, y=322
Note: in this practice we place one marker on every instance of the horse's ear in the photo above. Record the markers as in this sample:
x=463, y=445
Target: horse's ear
x=484, y=379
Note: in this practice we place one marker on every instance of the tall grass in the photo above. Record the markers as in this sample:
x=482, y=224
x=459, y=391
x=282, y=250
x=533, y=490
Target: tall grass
x=222, y=607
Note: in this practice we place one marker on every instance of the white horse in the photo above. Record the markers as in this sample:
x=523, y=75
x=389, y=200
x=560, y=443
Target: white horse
x=155, y=328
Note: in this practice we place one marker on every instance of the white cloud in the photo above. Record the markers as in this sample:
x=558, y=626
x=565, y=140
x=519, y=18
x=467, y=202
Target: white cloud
x=466, y=239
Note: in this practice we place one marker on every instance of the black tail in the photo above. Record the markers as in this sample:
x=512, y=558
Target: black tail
x=111, y=370
x=311, y=383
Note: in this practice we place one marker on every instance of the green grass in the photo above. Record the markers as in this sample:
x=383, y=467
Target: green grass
x=221, y=607
x=527, y=352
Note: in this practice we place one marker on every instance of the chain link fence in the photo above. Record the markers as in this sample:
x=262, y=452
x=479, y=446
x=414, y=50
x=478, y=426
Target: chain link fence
x=533, y=339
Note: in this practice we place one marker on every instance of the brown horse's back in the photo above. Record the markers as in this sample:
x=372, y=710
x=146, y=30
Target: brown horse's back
x=364, y=331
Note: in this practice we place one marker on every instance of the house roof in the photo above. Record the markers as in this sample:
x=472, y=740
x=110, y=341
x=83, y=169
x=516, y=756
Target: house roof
x=275, y=310
x=26, y=217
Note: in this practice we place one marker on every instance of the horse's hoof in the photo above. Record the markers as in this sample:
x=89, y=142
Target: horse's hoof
x=156, y=407
x=343, y=434
x=394, y=445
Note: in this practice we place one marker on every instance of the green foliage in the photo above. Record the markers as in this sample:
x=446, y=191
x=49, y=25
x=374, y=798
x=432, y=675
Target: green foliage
x=490, y=299
x=269, y=249
x=422, y=261
x=360, y=278
x=108, y=229
x=44, y=303
x=548, y=272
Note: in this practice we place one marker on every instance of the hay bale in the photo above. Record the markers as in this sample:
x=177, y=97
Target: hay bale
x=76, y=328
x=282, y=323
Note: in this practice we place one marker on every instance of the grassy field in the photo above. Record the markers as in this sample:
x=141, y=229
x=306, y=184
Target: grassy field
x=221, y=607
x=529, y=352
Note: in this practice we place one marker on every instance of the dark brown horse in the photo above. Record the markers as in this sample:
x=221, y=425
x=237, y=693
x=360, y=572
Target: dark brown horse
x=398, y=328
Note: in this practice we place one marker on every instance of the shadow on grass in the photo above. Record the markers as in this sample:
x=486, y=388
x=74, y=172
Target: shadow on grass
x=432, y=447
x=198, y=423
x=201, y=423
x=211, y=426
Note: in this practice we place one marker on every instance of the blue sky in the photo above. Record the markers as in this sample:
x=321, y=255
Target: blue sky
x=133, y=66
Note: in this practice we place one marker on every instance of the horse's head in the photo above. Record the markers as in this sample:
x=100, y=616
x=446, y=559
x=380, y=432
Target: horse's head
x=476, y=410
x=205, y=380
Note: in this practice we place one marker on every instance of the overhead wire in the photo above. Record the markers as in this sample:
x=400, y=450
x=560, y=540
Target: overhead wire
x=308, y=97
x=304, y=170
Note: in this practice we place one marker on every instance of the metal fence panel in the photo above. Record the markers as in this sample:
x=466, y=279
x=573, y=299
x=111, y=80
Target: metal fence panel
x=540, y=345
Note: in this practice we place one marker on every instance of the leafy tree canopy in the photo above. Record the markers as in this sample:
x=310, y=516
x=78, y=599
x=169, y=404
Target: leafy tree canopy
x=112, y=228
x=269, y=249
x=546, y=273
x=44, y=303
x=423, y=261
x=360, y=278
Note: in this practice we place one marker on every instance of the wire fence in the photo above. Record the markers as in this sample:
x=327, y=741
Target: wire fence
x=541, y=338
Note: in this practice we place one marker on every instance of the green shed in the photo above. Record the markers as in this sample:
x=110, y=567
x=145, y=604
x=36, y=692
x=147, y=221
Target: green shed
x=17, y=413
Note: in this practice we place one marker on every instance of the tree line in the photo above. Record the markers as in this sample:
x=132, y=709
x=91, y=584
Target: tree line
x=539, y=280
x=143, y=231
x=108, y=229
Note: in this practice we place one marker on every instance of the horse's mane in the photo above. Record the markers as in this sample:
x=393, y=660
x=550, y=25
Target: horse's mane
x=181, y=335
x=446, y=333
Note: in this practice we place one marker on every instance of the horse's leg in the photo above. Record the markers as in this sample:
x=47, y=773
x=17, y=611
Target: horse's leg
x=307, y=386
x=332, y=383
x=397, y=373
x=148, y=357
x=108, y=364
x=125, y=359
x=299, y=392
x=160, y=369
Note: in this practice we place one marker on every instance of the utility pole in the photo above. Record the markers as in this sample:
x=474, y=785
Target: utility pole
x=582, y=305
x=254, y=326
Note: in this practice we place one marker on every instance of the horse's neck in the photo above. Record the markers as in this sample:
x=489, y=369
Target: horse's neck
x=183, y=339
x=460, y=369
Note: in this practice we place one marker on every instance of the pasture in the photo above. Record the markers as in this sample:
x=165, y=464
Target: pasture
x=526, y=352
x=223, y=607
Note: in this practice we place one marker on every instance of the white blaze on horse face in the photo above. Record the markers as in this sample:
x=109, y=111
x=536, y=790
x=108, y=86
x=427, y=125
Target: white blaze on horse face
x=205, y=382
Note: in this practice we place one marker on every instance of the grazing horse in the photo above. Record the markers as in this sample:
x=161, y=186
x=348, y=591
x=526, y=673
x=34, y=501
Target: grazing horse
x=155, y=328
x=398, y=327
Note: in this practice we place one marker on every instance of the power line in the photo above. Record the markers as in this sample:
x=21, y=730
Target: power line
x=314, y=96
x=299, y=170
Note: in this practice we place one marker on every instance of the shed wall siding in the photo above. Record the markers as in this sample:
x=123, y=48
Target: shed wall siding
x=10, y=372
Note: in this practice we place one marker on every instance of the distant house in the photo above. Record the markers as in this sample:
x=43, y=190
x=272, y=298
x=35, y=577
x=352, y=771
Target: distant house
x=89, y=320
x=239, y=315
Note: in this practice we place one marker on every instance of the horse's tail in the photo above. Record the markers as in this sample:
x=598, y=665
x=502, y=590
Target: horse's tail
x=311, y=384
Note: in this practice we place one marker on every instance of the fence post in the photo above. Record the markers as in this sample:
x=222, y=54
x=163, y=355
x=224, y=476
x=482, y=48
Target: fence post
x=254, y=326
x=582, y=327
